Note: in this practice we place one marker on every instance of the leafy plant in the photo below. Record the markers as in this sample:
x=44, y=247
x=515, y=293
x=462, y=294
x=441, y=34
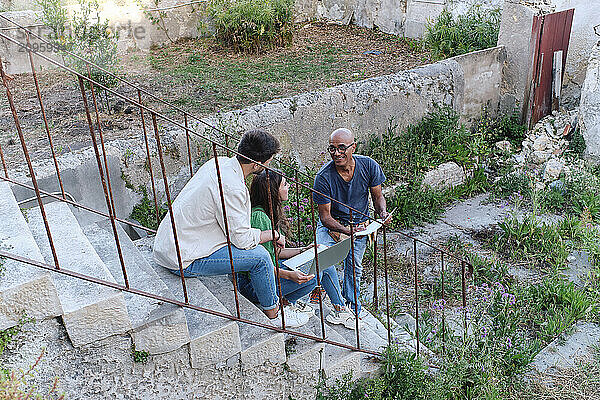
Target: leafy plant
x=14, y=385
x=139, y=356
x=403, y=377
x=532, y=240
x=504, y=127
x=475, y=30
x=252, y=25
x=145, y=213
x=84, y=34
x=577, y=144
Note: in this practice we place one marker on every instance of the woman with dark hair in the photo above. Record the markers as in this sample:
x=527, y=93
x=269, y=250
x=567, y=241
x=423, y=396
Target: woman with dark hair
x=294, y=284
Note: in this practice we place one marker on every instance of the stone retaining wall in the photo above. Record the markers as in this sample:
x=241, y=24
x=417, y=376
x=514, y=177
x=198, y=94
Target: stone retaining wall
x=303, y=122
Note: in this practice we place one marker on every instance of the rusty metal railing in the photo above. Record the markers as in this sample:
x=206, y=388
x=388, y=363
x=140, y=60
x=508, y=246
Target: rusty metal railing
x=105, y=179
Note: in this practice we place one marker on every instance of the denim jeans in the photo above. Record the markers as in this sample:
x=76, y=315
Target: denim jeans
x=256, y=261
x=291, y=290
x=360, y=245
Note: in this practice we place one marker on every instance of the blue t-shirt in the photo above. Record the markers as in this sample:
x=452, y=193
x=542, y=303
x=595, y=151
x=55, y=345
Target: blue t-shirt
x=367, y=174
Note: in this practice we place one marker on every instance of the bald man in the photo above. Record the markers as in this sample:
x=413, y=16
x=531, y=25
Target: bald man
x=348, y=178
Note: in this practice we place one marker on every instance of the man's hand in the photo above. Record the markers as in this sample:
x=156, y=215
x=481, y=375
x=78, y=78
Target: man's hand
x=299, y=277
x=359, y=228
x=386, y=218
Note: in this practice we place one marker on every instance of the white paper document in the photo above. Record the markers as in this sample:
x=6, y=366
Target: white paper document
x=374, y=226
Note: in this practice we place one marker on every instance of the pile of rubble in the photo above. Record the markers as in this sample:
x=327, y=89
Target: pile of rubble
x=545, y=145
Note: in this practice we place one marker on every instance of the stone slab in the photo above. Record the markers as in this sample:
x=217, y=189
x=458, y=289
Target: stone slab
x=258, y=344
x=334, y=360
x=158, y=327
x=579, y=268
x=90, y=311
x=23, y=287
x=564, y=351
x=213, y=339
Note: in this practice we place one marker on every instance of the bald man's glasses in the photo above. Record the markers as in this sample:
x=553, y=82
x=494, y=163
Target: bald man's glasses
x=342, y=148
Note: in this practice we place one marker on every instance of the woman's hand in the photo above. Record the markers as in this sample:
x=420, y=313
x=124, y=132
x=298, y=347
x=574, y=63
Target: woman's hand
x=280, y=241
x=299, y=277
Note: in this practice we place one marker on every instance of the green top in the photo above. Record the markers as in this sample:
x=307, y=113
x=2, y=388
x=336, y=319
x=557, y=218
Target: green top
x=260, y=220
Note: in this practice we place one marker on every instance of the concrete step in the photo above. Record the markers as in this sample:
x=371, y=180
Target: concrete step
x=258, y=344
x=24, y=288
x=309, y=356
x=369, y=340
x=90, y=311
x=213, y=340
x=157, y=327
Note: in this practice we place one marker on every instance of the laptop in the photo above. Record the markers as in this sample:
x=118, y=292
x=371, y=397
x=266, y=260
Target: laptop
x=327, y=256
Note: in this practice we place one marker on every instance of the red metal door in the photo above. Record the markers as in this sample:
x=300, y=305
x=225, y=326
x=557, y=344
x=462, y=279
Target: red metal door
x=549, y=43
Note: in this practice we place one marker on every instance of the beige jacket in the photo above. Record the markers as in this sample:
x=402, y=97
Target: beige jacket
x=199, y=216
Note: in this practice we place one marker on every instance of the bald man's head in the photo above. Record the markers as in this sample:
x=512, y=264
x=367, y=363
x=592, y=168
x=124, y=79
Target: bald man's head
x=341, y=147
x=343, y=134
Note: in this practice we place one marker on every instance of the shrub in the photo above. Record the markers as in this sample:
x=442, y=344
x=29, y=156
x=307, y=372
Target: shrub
x=252, y=25
x=86, y=35
x=144, y=212
x=477, y=29
x=504, y=127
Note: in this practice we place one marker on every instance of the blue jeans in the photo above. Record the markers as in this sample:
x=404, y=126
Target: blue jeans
x=360, y=245
x=291, y=290
x=256, y=261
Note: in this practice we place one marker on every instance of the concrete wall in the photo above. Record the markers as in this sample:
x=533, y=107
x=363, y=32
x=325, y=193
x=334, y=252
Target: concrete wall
x=401, y=17
x=482, y=76
x=589, y=111
x=515, y=35
x=303, y=122
x=105, y=370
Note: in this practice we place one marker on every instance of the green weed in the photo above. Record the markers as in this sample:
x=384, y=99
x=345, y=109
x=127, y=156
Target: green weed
x=252, y=25
x=139, y=356
x=477, y=29
x=406, y=155
x=145, y=213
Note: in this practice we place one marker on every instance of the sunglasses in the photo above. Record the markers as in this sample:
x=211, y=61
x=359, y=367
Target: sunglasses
x=342, y=148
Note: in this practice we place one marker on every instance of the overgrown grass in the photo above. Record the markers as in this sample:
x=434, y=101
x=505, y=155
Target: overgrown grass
x=508, y=325
x=405, y=156
x=545, y=245
x=234, y=83
x=476, y=30
x=576, y=193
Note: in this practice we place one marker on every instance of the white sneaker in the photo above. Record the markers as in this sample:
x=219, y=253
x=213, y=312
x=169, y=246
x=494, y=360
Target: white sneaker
x=302, y=308
x=293, y=318
x=343, y=317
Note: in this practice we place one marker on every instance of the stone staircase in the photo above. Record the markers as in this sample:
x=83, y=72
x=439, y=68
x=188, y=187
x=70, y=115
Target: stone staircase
x=92, y=312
